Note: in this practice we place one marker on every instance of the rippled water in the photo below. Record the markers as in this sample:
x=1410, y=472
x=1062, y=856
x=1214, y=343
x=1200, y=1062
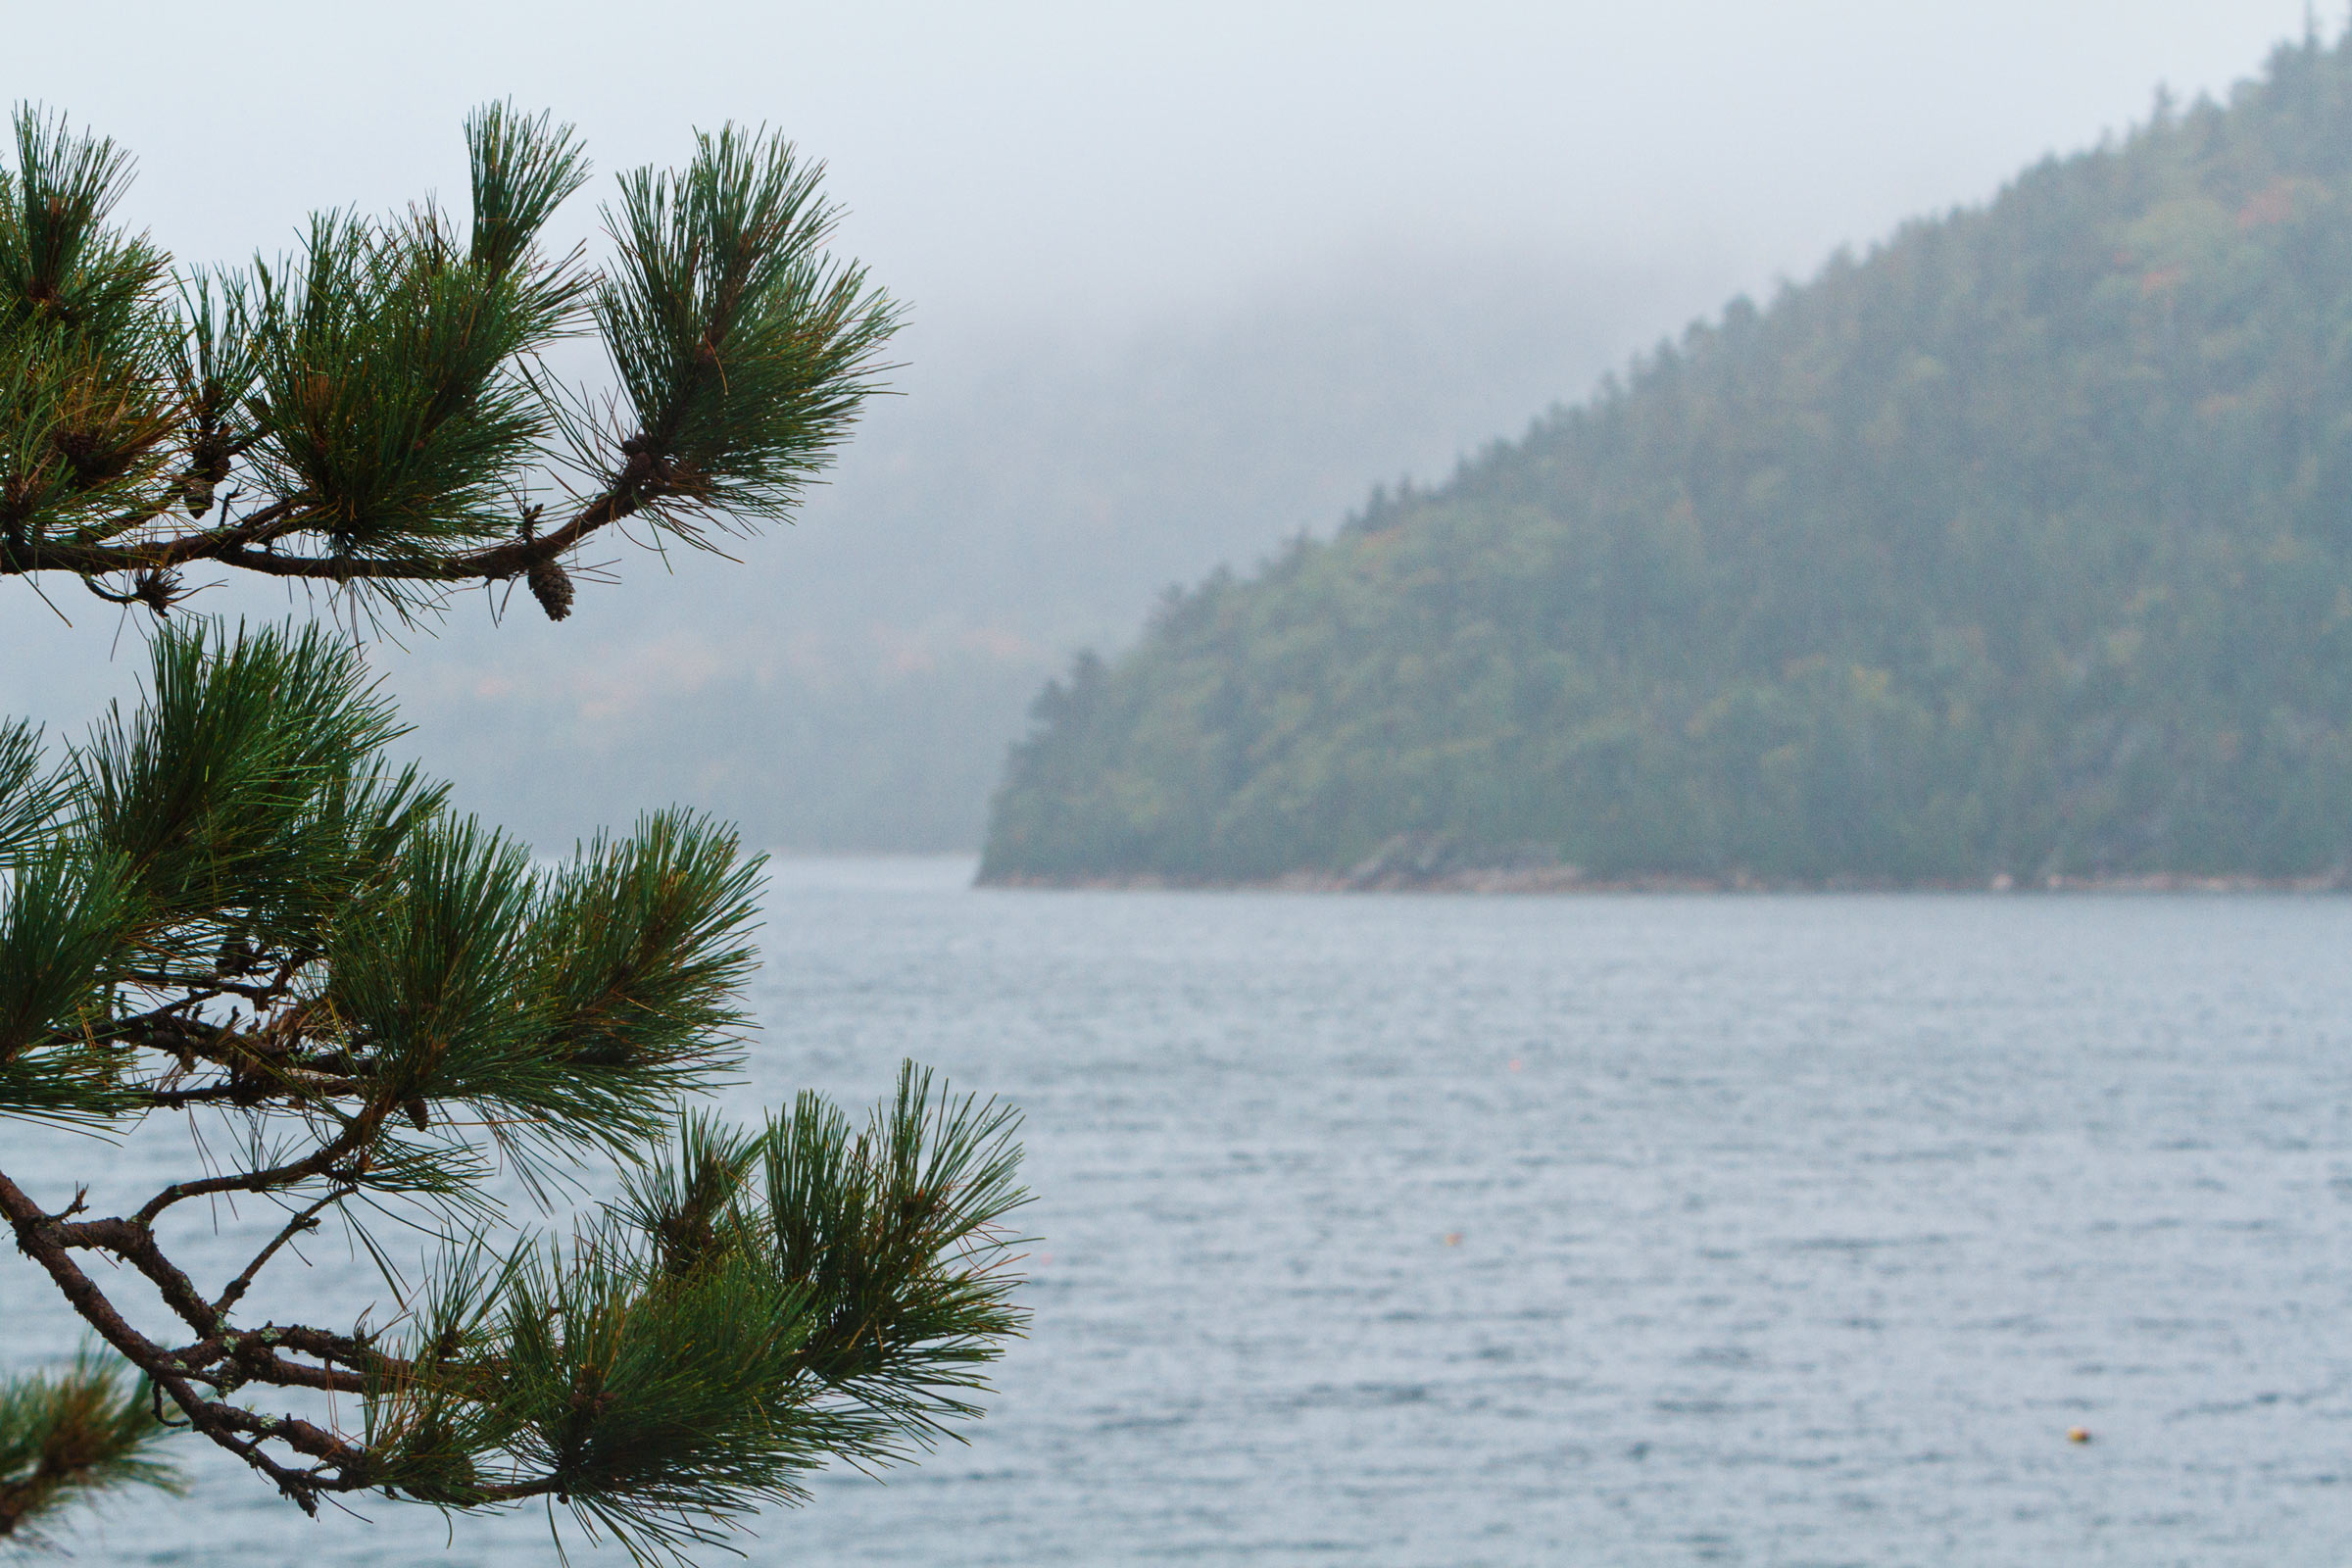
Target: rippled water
x=1639, y=1230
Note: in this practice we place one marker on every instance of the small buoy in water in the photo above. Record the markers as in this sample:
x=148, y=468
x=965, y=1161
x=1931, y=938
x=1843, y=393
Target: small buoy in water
x=1515, y=1064
x=1454, y=1238
x=2077, y=1434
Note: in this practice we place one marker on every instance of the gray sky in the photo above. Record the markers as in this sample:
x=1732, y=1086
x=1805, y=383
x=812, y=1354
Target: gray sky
x=1031, y=157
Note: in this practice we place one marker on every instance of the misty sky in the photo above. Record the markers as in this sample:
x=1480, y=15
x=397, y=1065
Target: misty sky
x=1033, y=157
x=1184, y=279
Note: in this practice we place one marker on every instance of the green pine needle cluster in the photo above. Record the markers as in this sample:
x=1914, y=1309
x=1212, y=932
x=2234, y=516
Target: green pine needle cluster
x=372, y=412
x=742, y=348
x=67, y=1436
x=226, y=902
x=757, y=1305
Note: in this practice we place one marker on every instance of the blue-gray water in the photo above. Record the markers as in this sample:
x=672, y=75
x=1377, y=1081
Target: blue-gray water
x=1637, y=1230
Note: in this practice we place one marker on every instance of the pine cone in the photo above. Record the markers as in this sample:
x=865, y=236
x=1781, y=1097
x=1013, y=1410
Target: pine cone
x=551, y=585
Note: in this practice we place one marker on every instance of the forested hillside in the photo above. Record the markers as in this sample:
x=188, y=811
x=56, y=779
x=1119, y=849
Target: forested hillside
x=2021, y=546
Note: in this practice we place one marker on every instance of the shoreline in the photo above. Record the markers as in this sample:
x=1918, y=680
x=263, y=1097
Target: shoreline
x=1570, y=880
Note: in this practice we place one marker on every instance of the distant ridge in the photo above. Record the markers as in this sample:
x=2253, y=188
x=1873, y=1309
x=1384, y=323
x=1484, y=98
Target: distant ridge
x=2021, y=547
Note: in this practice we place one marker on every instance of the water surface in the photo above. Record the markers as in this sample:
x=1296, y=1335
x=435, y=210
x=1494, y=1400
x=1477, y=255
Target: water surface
x=1610, y=1230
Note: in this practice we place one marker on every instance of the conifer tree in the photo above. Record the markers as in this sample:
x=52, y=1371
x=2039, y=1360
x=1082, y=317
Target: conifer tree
x=227, y=904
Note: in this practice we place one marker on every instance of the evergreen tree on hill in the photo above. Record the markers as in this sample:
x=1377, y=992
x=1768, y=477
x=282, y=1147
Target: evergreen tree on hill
x=2020, y=547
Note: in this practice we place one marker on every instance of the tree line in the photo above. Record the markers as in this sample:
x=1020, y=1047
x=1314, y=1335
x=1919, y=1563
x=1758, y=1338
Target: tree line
x=2017, y=545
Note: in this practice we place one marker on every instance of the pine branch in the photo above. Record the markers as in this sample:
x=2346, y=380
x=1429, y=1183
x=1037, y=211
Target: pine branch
x=228, y=904
x=844, y=1311
x=224, y=1424
x=379, y=391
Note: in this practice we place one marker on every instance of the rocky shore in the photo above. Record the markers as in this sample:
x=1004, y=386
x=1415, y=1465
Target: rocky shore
x=1415, y=863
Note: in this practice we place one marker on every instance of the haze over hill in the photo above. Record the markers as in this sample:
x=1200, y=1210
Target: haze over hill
x=1185, y=282
x=2020, y=547
x=860, y=693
